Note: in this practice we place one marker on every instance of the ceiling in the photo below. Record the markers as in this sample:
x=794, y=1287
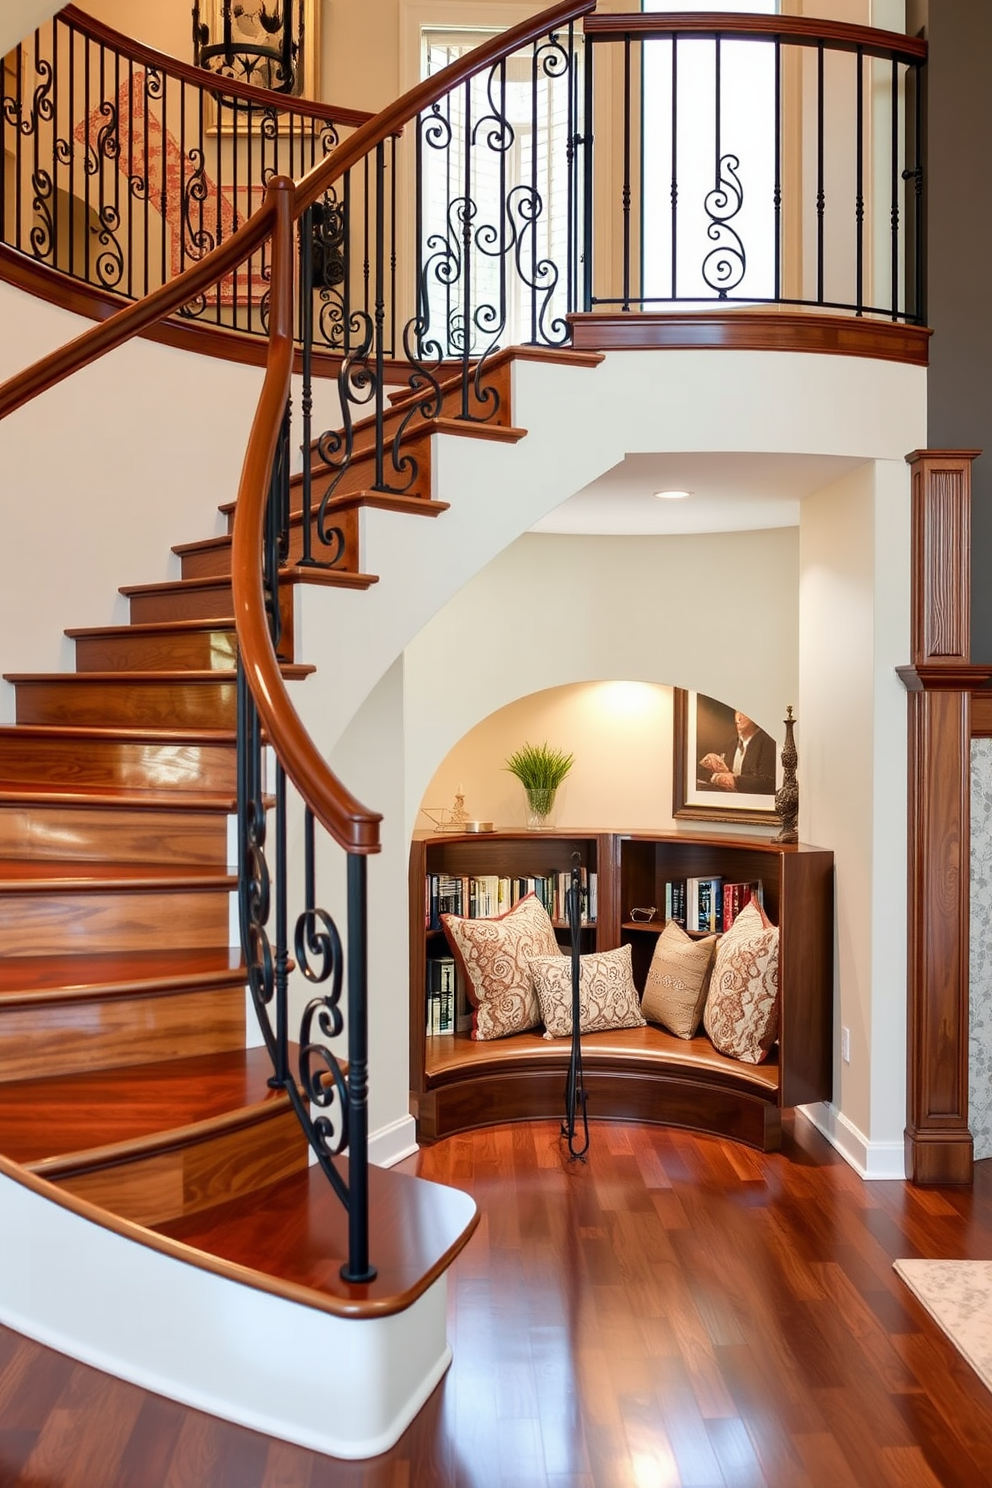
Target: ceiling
x=730, y=493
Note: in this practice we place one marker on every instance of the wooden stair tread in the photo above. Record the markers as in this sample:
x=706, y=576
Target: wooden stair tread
x=342, y=578
x=563, y=356
x=153, y=1105
x=117, y=733
x=152, y=627
x=419, y=506
x=292, y=670
x=114, y=796
x=43, y=875
x=34, y=979
x=292, y=1238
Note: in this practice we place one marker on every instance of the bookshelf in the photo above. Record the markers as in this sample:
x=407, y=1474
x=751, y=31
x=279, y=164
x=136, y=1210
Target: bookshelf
x=634, y=1074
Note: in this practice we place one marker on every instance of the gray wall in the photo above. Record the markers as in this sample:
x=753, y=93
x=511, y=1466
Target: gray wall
x=959, y=226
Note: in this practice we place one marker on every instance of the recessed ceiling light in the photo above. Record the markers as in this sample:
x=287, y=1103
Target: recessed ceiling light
x=672, y=495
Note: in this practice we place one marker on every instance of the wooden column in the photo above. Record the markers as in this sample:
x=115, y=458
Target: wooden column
x=939, y=679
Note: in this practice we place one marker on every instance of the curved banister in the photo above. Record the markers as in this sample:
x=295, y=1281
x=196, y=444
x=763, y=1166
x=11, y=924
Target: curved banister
x=125, y=324
x=132, y=320
x=800, y=30
x=138, y=51
x=349, y=823
x=354, y=827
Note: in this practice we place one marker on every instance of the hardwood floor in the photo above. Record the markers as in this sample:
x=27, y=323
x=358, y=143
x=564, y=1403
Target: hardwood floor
x=677, y=1311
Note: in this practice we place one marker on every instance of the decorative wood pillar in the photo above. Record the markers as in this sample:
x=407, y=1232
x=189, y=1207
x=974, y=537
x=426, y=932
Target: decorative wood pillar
x=939, y=680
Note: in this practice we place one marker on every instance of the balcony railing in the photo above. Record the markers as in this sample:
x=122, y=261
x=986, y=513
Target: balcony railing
x=120, y=167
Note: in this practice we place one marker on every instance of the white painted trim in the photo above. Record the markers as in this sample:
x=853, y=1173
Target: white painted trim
x=347, y=1387
x=391, y=1144
x=870, y=1160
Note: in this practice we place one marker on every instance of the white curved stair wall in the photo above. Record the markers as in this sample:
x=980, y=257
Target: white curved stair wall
x=345, y=1387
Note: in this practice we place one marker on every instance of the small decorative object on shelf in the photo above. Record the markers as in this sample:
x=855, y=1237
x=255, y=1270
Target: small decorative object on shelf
x=787, y=795
x=540, y=770
x=455, y=818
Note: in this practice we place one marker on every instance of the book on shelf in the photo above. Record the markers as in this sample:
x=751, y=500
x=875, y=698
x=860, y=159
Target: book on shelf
x=486, y=895
x=735, y=896
x=675, y=901
x=440, y=995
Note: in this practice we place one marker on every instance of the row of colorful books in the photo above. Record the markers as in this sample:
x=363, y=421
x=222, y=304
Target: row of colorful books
x=707, y=904
x=448, y=1010
x=486, y=895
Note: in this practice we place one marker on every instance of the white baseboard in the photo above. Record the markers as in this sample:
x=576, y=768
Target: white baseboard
x=391, y=1144
x=871, y=1160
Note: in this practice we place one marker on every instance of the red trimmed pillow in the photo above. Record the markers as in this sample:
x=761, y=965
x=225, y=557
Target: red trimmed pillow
x=741, y=1013
x=494, y=957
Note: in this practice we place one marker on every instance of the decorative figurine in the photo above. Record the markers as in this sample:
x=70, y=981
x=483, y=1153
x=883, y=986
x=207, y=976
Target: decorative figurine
x=787, y=795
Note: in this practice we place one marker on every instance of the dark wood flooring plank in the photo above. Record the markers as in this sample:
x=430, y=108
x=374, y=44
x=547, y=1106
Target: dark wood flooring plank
x=676, y=1310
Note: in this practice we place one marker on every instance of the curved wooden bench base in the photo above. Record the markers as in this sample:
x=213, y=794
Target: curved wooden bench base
x=638, y=1074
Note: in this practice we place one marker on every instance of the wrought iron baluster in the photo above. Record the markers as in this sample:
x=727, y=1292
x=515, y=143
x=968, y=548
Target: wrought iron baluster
x=163, y=197
x=625, y=188
x=307, y=248
x=918, y=215
x=358, y=1268
x=587, y=186
x=675, y=164
x=392, y=246
x=859, y=199
x=820, y=199
x=466, y=210
x=895, y=189
x=380, y=315
x=534, y=126
x=777, y=191
x=280, y=1075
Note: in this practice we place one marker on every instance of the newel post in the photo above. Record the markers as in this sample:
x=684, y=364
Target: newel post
x=939, y=679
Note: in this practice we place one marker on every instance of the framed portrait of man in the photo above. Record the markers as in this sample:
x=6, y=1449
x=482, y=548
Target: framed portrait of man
x=725, y=765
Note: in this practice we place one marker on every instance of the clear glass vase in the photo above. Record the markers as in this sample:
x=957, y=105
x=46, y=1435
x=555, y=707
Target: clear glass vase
x=540, y=808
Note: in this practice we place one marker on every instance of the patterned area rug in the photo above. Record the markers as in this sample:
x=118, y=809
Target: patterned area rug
x=958, y=1296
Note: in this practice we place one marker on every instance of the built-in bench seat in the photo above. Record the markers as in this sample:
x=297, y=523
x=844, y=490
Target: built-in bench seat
x=641, y=1074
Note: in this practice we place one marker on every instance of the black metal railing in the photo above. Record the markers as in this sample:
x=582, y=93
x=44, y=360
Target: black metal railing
x=119, y=167
x=756, y=160
x=282, y=925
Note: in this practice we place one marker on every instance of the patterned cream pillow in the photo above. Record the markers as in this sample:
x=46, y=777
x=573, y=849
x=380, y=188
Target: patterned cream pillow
x=494, y=957
x=678, y=980
x=607, y=995
x=741, y=1014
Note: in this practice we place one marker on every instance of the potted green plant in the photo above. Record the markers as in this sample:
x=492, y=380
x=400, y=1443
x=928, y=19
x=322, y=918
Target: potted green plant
x=540, y=770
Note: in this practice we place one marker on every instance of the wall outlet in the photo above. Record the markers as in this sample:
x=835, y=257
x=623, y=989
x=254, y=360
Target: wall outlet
x=845, y=1045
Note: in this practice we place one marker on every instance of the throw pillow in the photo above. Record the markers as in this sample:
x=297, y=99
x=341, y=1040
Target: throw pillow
x=678, y=980
x=494, y=957
x=607, y=995
x=741, y=1013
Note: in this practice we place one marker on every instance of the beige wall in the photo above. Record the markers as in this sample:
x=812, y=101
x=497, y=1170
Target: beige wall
x=854, y=631
x=620, y=733
x=647, y=613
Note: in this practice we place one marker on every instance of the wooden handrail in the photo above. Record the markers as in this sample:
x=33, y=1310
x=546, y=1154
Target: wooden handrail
x=138, y=51
x=799, y=30
x=350, y=824
x=133, y=319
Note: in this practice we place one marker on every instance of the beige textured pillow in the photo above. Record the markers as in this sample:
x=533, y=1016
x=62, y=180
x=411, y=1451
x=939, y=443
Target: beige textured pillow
x=494, y=956
x=678, y=980
x=607, y=995
x=741, y=1014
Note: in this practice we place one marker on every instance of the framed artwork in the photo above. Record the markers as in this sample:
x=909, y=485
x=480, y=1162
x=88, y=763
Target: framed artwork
x=706, y=740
